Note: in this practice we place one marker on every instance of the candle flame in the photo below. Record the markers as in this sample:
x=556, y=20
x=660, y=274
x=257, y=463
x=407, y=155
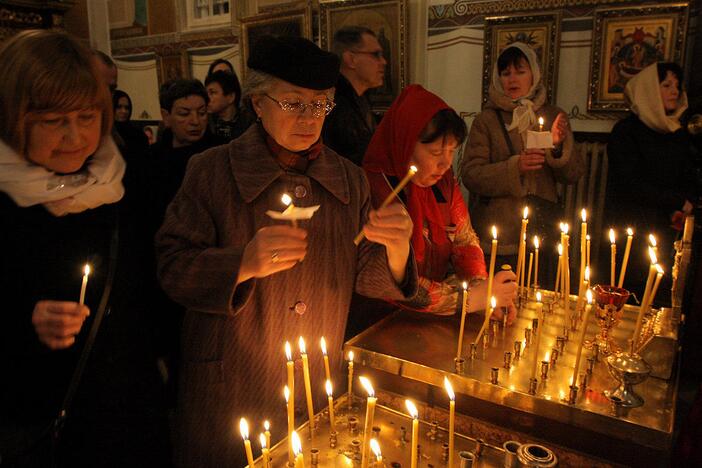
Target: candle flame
x=587, y=238
x=266, y=425
x=286, y=393
x=86, y=269
x=588, y=293
x=547, y=356
x=561, y=393
x=493, y=302
x=367, y=385
x=262, y=439
x=659, y=269
x=375, y=447
x=288, y=351
x=611, y=236
x=538, y=296
x=449, y=389
x=412, y=409
x=350, y=356
x=541, y=121
x=286, y=199
x=583, y=215
x=244, y=429
x=652, y=240
x=560, y=249
x=494, y=232
x=323, y=344
x=465, y=285
x=652, y=254
x=629, y=231
x=566, y=228
x=301, y=345
x=413, y=169
x=536, y=242
x=328, y=387
x=297, y=445
x=570, y=380
x=526, y=212
x=587, y=273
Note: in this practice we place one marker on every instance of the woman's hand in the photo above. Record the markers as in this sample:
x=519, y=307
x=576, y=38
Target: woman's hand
x=504, y=288
x=559, y=129
x=272, y=249
x=58, y=322
x=392, y=227
x=531, y=160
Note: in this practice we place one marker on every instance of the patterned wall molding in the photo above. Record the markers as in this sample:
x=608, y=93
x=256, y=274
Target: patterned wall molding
x=167, y=44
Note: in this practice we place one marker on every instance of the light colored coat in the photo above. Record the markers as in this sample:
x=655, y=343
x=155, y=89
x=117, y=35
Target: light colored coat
x=234, y=362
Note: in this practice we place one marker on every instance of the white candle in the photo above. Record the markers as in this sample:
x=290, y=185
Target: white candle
x=647, y=291
x=244, y=429
x=583, y=250
x=625, y=261
x=541, y=124
x=463, y=320
x=520, y=253
x=84, y=286
x=654, y=243
x=415, y=432
x=287, y=201
x=536, y=262
x=613, y=263
x=452, y=419
x=370, y=413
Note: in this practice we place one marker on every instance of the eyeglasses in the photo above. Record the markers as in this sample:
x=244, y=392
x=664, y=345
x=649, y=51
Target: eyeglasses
x=378, y=54
x=318, y=108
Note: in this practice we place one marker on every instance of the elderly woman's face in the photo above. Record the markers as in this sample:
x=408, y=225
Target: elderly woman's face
x=517, y=80
x=62, y=141
x=433, y=160
x=292, y=130
x=670, y=92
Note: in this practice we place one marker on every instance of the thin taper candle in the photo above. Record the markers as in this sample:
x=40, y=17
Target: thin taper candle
x=267, y=433
x=297, y=447
x=583, y=249
x=452, y=419
x=84, y=285
x=264, y=450
x=531, y=264
x=323, y=345
x=625, y=261
x=244, y=429
x=556, y=287
x=613, y=263
x=536, y=262
x=540, y=315
x=459, y=351
x=368, y=426
x=415, y=432
x=522, y=234
x=287, y=201
x=410, y=173
x=308, y=386
x=349, y=396
x=291, y=423
x=330, y=398
x=581, y=339
x=647, y=291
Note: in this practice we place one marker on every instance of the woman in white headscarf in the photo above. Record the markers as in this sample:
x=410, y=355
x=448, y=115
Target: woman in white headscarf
x=498, y=169
x=651, y=183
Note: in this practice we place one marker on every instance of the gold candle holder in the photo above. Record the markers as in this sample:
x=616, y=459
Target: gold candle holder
x=508, y=360
x=544, y=370
x=460, y=363
x=494, y=374
x=532, y=386
x=517, y=349
x=527, y=336
x=572, y=395
x=473, y=351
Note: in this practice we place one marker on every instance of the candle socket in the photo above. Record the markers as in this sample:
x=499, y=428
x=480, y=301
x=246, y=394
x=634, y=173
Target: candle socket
x=527, y=336
x=560, y=343
x=508, y=360
x=356, y=446
x=554, y=357
x=479, y=448
x=584, y=381
x=494, y=373
x=619, y=409
x=375, y=432
x=544, y=370
x=444, y=452
x=532, y=386
x=566, y=333
x=314, y=457
x=486, y=341
x=574, y=322
x=403, y=435
x=550, y=305
x=572, y=395
x=473, y=350
x=466, y=458
x=459, y=362
x=590, y=365
x=517, y=349
x=505, y=313
x=332, y=439
x=353, y=425
x=535, y=324
x=495, y=327
x=433, y=430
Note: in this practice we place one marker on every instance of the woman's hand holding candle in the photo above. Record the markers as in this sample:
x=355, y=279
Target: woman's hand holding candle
x=391, y=226
x=272, y=249
x=559, y=129
x=531, y=160
x=57, y=323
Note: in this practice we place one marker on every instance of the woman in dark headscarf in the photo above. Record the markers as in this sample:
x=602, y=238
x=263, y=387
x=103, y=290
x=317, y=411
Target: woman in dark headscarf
x=135, y=143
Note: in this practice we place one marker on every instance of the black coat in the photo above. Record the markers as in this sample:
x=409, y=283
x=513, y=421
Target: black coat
x=118, y=414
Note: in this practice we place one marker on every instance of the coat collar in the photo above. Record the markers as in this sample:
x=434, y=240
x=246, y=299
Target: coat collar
x=254, y=168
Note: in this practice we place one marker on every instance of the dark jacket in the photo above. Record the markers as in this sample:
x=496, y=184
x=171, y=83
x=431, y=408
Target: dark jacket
x=229, y=130
x=117, y=417
x=350, y=126
x=233, y=359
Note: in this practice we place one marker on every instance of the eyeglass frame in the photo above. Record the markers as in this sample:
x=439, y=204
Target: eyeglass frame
x=378, y=54
x=330, y=104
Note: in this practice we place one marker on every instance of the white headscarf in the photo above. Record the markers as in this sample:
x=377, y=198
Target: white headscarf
x=643, y=95
x=523, y=116
x=29, y=184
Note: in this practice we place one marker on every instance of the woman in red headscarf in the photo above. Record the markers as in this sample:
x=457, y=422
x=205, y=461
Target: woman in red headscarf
x=420, y=129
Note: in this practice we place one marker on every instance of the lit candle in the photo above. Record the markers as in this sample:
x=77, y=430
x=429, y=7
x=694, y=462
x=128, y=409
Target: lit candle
x=287, y=201
x=581, y=340
x=541, y=124
x=415, y=432
x=267, y=433
x=583, y=287
x=540, y=315
x=659, y=275
x=491, y=274
x=84, y=286
x=452, y=418
x=565, y=274
x=410, y=173
x=613, y=263
x=370, y=413
x=297, y=448
x=463, y=320
x=264, y=450
x=244, y=429
x=350, y=380
x=536, y=262
x=375, y=447
x=323, y=344
x=556, y=287
x=330, y=397
x=308, y=387
x=522, y=234
x=522, y=278
x=531, y=262
x=291, y=423
x=583, y=250
x=492, y=303
x=647, y=291
x=587, y=247
x=625, y=262
x=654, y=244
x=290, y=366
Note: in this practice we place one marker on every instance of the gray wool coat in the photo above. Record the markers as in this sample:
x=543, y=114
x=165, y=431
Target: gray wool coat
x=233, y=337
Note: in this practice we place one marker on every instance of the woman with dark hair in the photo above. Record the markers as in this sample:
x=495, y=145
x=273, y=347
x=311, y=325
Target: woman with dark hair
x=422, y=130
x=501, y=172
x=221, y=65
x=652, y=164
x=134, y=142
